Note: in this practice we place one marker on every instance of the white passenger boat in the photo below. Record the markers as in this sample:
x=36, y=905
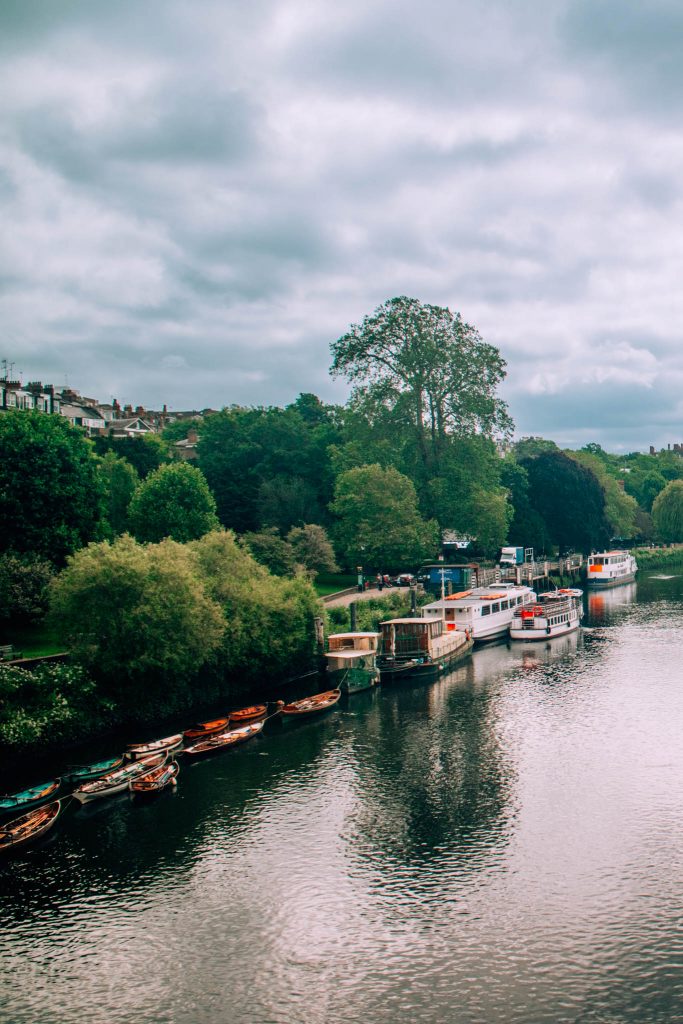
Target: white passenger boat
x=611, y=569
x=486, y=612
x=553, y=614
x=421, y=647
x=352, y=661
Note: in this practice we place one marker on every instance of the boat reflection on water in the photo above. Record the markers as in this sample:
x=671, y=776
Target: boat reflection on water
x=500, y=658
x=603, y=604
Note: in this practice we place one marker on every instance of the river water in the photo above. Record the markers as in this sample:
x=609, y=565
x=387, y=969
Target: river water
x=502, y=845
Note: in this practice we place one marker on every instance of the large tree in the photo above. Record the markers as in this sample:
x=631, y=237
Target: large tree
x=569, y=499
x=174, y=501
x=50, y=490
x=270, y=467
x=378, y=521
x=426, y=367
x=138, y=615
x=667, y=513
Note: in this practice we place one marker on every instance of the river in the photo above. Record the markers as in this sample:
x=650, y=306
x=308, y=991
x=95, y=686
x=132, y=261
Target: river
x=502, y=845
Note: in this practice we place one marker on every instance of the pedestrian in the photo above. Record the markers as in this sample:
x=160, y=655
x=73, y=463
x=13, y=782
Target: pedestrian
x=380, y=581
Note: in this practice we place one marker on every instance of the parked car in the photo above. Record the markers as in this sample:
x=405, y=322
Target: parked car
x=404, y=579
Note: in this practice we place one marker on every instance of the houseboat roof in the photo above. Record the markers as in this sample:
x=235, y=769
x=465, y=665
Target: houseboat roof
x=401, y=622
x=349, y=653
x=474, y=597
x=351, y=636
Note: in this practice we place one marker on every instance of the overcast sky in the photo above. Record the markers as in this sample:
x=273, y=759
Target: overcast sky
x=198, y=197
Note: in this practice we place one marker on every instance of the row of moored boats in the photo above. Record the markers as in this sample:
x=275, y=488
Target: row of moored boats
x=144, y=769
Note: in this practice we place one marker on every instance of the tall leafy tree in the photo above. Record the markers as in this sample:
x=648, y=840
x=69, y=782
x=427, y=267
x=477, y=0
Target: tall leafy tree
x=378, y=520
x=427, y=368
x=569, y=499
x=174, y=501
x=667, y=513
x=138, y=617
x=145, y=453
x=620, y=507
x=51, y=494
x=120, y=482
x=270, y=466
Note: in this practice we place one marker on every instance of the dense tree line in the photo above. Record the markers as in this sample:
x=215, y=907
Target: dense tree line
x=158, y=569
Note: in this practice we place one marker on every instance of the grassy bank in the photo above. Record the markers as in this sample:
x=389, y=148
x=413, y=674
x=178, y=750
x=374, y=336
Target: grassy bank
x=35, y=641
x=332, y=583
x=660, y=558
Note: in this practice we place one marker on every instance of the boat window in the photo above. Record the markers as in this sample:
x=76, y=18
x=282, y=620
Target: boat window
x=485, y=609
x=495, y=607
x=504, y=605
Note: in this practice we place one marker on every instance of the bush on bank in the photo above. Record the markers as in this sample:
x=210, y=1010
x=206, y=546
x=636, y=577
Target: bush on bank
x=50, y=704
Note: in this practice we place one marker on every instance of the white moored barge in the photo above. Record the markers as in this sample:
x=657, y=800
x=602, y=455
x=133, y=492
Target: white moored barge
x=611, y=569
x=485, y=612
x=554, y=613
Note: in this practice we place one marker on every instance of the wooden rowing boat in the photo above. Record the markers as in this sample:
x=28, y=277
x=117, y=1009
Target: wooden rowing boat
x=312, y=705
x=84, y=773
x=251, y=714
x=27, y=799
x=156, y=780
x=224, y=740
x=118, y=781
x=204, y=729
x=135, y=751
x=29, y=826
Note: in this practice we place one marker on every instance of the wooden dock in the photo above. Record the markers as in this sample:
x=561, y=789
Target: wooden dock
x=531, y=573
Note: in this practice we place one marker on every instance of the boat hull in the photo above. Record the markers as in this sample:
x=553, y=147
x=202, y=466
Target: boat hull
x=315, y=705
x=119, y=781
x=594, y=584
x=426, y=668
x=28, y=827
x=30, y=799
x=224, y=741
x=353, y=680
x=539, y=633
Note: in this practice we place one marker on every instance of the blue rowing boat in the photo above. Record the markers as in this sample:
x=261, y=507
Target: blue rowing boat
x=29, y=798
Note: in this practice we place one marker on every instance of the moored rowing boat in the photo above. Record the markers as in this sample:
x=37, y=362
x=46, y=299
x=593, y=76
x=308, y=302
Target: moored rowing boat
x=312, y=705
x=84, y=773
x=224, y=740
x=254, y=713
x=27, y=799
x=117, y=781
x=204, y=729
x=156, y=780
x=29, y=826
x=136, y=751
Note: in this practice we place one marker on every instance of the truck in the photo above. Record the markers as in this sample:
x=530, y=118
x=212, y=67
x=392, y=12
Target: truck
x=511, y=556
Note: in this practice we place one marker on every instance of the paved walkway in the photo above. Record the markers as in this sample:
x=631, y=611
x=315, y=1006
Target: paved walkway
x=346, y=599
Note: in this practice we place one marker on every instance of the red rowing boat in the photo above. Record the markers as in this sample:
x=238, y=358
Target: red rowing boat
x=224, y=740
x=251, y=714
x=312, y=705
x=156, y=780
x=204, y=729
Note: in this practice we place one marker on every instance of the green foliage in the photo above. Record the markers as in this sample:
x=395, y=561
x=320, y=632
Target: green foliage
x=179, y=429
x=120, y=482
x=271, y=550
x=145, y=453
x=255, y=458
x=50, y=489
x=620, y=508
x=370, y=613
x=569, y=499
x=174, y=501
x=138, y=618
x=667, y=513
x=429, y=367
x=659, y=558
x=378, y=522
x=526, y=528
x=312, y=548
x=644, y=486
x=24, y=587
x=48, y=705
x=530, y=447
x=467, y=495
x=269, y=621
